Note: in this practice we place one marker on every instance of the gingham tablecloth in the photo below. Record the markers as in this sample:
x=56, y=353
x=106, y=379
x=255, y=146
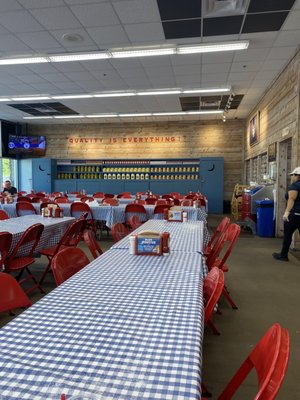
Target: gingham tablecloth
x=125, y=327
x=54, y=228
x=184, y=236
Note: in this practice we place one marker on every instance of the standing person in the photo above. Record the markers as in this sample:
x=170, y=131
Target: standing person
x=291, y=216
x=9, y=189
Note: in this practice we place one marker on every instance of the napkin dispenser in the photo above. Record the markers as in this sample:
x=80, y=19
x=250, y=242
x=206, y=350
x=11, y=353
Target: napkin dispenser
x=175, y=214
x=149, y=243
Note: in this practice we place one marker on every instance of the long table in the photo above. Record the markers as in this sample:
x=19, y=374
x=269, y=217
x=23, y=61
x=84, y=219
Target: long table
x=124, y=327
x=54, y=228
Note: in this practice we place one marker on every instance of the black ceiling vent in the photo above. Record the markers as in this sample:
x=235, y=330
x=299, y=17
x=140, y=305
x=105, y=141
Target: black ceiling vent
x=44, y=109
x=209, y=103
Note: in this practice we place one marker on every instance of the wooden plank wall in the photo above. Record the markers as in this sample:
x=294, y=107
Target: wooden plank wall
x=150, y=140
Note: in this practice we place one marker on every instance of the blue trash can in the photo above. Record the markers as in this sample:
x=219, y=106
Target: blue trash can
x=265, y=215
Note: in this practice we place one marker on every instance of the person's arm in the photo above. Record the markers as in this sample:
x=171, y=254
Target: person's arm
x=290, y=203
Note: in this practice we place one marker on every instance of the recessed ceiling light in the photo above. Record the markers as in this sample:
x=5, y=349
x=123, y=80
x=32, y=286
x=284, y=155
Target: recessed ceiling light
x=72, y=37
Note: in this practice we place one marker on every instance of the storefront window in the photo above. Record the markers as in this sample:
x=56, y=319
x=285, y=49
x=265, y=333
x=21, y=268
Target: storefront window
x=8, y=170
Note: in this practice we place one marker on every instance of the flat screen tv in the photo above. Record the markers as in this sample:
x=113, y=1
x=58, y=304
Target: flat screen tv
x=31, y=146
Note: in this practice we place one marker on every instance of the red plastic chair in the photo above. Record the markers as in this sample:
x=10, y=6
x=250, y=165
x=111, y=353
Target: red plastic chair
x=190, y=196
x=109, y=195
x=162, y=201
x=86, y=198
x=70, y=238
x=67, y=262
x=159, y=209
x=11, y=294
x=60, y=200
x=221, y=228
x=73, y=192
x=110, y=201
x=92, y=244
x=22, y=192
x=175, y=194
x=41, y=194
x=16, y=263
x=176, y=202
x=3, y=215
x=98, y=195
x=5, y=244
x=135, y=209
x=212, y=289
x=24, y=208
x=78, y=208
x=119, y=231
x=139, y=201
x=186, y=203
x=23, y=199
x=150, y=200
x=36, y=199
x=124, y=195
x=269, y=358
x=167, y=196
x=134, y=222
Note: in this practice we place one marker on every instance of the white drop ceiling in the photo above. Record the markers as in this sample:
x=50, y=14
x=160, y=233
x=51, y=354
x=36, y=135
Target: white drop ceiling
x=29, y=27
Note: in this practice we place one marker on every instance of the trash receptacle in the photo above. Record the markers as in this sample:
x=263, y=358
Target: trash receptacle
x=265, y=218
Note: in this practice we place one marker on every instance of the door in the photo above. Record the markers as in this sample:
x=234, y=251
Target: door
x=212, y=182
x=25, y=175
x=42, y=174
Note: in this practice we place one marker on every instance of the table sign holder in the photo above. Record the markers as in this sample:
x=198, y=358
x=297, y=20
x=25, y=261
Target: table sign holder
x=149, y=243
x=175, y=214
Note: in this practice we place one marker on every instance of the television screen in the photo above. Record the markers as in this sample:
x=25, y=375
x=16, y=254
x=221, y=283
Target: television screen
x=32, y=146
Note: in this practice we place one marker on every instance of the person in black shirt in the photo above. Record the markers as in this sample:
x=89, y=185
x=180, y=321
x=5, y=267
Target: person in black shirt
x=291, y=216
x=9, y=189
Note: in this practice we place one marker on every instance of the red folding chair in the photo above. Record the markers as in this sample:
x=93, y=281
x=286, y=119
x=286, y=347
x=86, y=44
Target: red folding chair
x=109, y=195
x=134, y=222
x=190, y=196
x=86, y=198
x=36, y=199
x=124, y=195
x=3, y=215
x=92, y=244
x=186, y=203
x=139, y=201
x=159, y=210
x=269, y=358
x=20, y=263
x=76, y=210
x=5, y=244
x=221, y=228
x=119, y=231
x=135, y=209
x=212, y=289
x=110, y=201
x=70, y=238
x=23, y=199
x=24, y=208
x=61, y=200
x=67, y=262
x=11, y=294
x=151, y=200
x=41, y=194
x=162, y=201
x=167, y=197
x=98, y=195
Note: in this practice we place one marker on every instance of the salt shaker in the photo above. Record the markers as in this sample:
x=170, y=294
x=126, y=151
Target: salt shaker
x=184, y=216
x=132, y=239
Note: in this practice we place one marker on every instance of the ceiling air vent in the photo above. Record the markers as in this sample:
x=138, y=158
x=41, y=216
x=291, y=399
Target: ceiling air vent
x=220, y=8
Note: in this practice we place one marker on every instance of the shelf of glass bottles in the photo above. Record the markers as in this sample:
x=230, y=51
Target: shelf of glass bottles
x=154, y=173
x=174, y=172
x=80, y=172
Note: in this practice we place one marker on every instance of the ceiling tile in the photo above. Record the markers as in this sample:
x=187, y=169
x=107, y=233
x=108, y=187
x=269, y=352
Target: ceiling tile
x=283, y=53
x=182, y=29
x=246, y=66
x=146, y=32
x=222, y=25
x=274, y=65
x=109, y=36
x=56, y=18
x=138, y=83
x=165, y=81
x=187, y=70
x=10, y=44
x=19, y=21
x=178, y=9
x=159, y=72
x=188, y=81
x=136, y=11
x=188, y=59
x=292, y=21
x=38, y=40
x=84, y=38
x=257, y=6
x=258, y=40
x=251, y=55
x=31, y=78
x=264, y=22
x=92, y=15
x=9, y=5
x=240, y=76
x=218, y=78
x=132, y=72
x=287, y=38
x=215, y=68
x=125, y=63
x=41, y=3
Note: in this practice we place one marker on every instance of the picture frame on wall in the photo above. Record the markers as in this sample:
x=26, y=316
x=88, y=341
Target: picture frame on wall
x=272, y=152
x=254, y=129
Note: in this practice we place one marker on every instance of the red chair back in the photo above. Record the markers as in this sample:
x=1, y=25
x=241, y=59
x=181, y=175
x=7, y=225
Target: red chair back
x=23, y=199
x=110, y=201
x=150, y=200
x=139, y=201
x=3, y=215
x=92, y=244
x=118, y=231
x=73, y=234
x=269, y=358
x=5, y=243
x=22, y=192
x=139, y=209
x=67, y=263
x=11, y=294
x=24, y=208
x=221, y=228
x=98, y=195
x=86, y=198
x=159, y=208
x=59, y=200
x=176, y=202
x=40, y=194
x=77, y=208
x=73, y=192
x=109, y=195
x=124, y=195
x=175, y=194
x=212, y=289
x=36, y=199
x=134, y=222
x=162, y=201
x=167, y=196
x=186, y=203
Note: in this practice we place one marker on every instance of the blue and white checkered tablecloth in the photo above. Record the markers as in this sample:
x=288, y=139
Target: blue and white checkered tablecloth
x=184, y=236
x=54, y=228
x=125, y=327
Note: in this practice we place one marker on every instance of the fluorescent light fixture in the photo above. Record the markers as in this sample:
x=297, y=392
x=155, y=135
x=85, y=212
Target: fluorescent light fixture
x=143, y=52
x=102, y=115
x=115, y=94
x=38, y=117
x=212, y=90
x=72, y=96
x=68, y=116
x=146, y=51
x=170, y=113
x=204, y=112
x=31, y=98
x=159, y=92
x=5, y=99
x=213, y=47
x=136, y=115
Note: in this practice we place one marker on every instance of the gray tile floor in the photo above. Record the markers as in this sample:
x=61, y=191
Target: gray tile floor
x=265, y=290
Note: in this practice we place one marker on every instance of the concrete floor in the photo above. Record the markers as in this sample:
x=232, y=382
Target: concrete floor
x=265, y=290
